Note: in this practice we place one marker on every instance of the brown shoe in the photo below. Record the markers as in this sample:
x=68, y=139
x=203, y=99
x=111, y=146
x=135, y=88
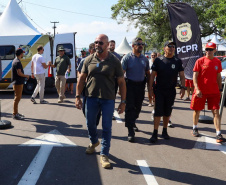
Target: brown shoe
x=105, y=161
x=91, y=148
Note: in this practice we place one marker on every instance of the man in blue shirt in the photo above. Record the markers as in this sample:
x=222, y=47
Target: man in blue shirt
x=136, y=67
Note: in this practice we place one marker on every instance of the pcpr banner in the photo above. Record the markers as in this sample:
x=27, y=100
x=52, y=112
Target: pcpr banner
x=186, y=34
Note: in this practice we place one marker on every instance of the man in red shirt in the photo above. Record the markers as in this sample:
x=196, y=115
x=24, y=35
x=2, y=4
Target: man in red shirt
x=207, y=83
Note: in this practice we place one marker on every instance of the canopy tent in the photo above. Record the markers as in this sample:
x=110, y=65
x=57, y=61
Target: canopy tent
x=13, y=22
x=123, y=48
x=220, y=45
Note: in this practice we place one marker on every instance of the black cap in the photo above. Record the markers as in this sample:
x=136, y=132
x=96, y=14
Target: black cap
x=134, y=41
x=169, y=42
x=19, y=51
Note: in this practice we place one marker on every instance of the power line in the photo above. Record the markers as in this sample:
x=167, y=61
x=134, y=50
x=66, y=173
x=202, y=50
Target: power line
x=68, y=11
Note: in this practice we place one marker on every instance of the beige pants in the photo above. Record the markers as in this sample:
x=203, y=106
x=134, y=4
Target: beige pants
x=40, y=86
x=60, y=82
x=17, y=96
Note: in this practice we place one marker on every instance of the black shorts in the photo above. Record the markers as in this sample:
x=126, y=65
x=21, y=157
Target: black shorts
x=164, y=100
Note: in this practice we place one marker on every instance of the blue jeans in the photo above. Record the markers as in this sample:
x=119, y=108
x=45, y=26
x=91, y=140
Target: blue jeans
x=93, y=106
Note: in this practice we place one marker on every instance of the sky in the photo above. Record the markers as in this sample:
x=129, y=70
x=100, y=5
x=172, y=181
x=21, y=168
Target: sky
x=88, y=18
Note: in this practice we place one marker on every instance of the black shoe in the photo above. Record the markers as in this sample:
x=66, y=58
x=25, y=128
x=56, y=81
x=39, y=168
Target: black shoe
x=220, y=139
x=131, y=139
x=17, y=117
x=33, y=100
x=135, y=129
x=44, y=102
x=165, y=135
x=195, y=132
x=21, y=115
x=154, y=138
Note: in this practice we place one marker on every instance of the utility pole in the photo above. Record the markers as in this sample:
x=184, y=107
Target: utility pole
x=54, y=26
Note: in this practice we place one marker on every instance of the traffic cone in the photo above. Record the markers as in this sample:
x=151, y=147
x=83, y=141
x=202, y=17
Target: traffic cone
x=50, y=73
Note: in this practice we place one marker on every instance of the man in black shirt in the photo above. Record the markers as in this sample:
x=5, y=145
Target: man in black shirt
x=18, y=77
x=166, y=68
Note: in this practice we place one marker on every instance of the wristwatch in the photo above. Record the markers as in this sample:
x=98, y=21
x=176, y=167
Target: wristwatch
x=123, y=101
x=77, y=96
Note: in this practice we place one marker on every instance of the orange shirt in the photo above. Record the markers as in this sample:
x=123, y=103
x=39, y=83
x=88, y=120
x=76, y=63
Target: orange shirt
x=207, y=78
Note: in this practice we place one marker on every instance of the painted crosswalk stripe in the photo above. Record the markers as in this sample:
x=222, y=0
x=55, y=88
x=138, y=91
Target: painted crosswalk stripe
x=148, y=175
x=117, y=117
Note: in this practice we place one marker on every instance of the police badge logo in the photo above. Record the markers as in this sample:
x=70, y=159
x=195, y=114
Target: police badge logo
x=173, y=66
x=184, y=32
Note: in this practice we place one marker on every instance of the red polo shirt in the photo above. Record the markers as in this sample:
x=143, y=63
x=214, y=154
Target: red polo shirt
x=207, y=78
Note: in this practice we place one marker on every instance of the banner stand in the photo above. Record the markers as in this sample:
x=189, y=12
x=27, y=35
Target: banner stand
x=4, y=123
x=205, y=119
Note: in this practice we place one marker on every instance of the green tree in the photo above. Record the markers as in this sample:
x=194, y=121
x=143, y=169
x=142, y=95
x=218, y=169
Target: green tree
x=151, y=17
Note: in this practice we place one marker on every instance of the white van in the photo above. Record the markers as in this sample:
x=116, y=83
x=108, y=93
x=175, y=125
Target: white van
x=29, y=43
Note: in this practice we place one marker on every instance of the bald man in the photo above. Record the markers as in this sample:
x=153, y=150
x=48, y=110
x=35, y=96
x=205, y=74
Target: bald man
x=100, y=70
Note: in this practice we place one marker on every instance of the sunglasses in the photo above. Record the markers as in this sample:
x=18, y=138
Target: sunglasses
x=209, y=49
x=171, y=46
x=139, y=44
x=99, y=42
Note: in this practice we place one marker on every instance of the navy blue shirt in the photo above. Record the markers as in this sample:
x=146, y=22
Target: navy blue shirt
x=117, y=55
x=135, y=67
x=167, y=71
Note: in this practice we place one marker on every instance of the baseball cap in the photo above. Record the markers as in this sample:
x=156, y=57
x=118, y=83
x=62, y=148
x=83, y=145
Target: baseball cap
x=134, y=41
x=83, y=49
x=61, y=48
x=211, y=45
x=169, y=42
x=19, y=51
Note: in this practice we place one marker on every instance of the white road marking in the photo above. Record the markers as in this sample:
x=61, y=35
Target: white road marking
x=117, y=117
x=148, y=175
x=47, y=142
x=209, y=143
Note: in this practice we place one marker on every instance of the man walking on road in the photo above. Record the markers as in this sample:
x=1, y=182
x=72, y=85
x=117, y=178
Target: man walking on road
x=100, y=70
x=62, y=64
x=136, y=67
x=18, y=77
x=207, y=82
x=166, y=68
x=38, y=67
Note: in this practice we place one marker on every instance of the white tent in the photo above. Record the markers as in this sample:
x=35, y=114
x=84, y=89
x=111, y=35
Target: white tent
x=13, y=22
x=220, y=46
x=123, y=48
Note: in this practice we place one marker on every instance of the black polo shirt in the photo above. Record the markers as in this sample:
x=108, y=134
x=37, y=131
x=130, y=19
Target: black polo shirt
x=167, y=71
x=15, y=77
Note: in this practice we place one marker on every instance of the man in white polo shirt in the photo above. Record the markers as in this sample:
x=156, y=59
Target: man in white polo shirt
x=38, y=67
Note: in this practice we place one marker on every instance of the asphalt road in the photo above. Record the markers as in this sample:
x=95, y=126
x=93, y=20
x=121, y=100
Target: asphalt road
x=173, y=162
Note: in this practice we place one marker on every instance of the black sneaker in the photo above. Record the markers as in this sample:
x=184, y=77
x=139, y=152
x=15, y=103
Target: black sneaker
x=195, y=132
x=165, y=135
x=21, y=115
x=33, y=100
x=220, y=139
x=44, y=102
x=135, y=129
x=131, y=139
x=154, y=138
x=17, y=117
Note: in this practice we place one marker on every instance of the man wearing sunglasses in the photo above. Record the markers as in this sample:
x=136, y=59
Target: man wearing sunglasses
x=166, y=68
x=207, y=82
x=136, y=67
x=100, y=70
